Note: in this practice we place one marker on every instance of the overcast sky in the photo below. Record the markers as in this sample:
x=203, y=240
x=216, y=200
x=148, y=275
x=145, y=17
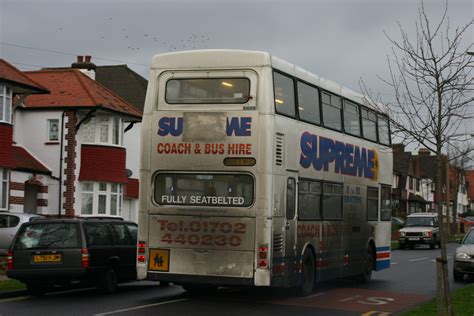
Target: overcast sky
x=341, y=40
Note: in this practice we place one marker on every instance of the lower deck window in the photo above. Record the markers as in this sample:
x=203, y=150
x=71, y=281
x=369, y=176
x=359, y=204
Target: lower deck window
x=332, y=201
x=234, y=190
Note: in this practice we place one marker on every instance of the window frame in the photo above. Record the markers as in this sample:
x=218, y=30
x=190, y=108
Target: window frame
x=298, y=102
x=96, y=192
x=362, y=124
x=6, y=96
x=49, y=124
x=319, y=210
x=376, y=219
x=387, y=119
x=357, y=106
x=295, y=95
x=96, y=123
x=294, y=198
x=4, y=186
x=342, y=201
x=341, y=117
x=207, y=103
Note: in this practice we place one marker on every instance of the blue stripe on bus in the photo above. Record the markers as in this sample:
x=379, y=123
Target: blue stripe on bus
x=387, y=248
x=385, y=264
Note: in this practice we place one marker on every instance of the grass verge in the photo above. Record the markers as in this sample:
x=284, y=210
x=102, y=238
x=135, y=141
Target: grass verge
x=11, y=285
x=462, y=301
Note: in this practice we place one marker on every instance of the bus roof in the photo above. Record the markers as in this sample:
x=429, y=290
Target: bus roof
x=232, y=58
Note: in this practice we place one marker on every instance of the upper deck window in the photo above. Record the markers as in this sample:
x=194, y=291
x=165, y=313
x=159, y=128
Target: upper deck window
x=369, y=119
x=351, y=118
x=208, y=91
x=308, y=103
x=284, y=94
x=332, y=111
x=384, y=131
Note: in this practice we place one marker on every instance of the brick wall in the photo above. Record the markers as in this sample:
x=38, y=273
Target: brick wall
x=70, y=160
x=6, y=145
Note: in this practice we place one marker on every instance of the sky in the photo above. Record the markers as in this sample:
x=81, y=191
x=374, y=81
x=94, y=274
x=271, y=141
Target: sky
x=341, y=40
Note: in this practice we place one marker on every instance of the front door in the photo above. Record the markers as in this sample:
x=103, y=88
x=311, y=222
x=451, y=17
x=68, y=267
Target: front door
x=290, y=220
x=31, y=198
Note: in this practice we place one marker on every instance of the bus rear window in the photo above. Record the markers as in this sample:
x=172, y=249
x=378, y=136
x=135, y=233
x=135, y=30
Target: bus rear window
x=207, y=91
x=229, y=190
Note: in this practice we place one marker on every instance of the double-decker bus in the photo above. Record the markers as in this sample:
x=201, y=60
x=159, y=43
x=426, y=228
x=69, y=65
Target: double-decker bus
x=257, y=172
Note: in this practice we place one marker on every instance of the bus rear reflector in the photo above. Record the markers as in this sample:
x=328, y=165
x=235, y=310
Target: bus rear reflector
x=263, y=256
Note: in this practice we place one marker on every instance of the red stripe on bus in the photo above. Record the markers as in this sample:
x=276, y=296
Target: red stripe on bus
x=383, y=255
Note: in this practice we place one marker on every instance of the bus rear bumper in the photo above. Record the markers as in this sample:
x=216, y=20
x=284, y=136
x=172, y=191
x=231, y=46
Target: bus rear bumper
x=199, y=279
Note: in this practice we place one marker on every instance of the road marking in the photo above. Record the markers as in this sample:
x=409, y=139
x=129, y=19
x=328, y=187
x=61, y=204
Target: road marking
x=376, y=313
x=71, y=291
x=394, y=263
x=315, y=295
x=140, y=307
x=419, y=259
x=14, y=299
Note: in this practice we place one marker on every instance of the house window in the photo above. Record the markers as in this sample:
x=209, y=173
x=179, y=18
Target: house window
x=5, y=104
x=101, y=198
x=4, y=175
x=53, y=130
x=103, y=129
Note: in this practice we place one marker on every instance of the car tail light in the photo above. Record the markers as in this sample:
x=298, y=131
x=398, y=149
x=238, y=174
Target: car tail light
x=10, y=260
x=85, y=259
x=141, y=251
x=263, y=256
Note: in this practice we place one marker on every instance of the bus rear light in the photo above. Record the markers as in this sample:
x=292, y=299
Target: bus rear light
x=263, y=251
x=263, y=263
x=10, y=260
x=141, y=249
x=85, y=259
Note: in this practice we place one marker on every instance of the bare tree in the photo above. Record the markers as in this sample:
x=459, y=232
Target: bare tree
x=430, y=75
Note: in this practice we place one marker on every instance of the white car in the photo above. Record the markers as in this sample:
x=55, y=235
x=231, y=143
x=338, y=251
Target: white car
x=420, y=229
x=10, y=222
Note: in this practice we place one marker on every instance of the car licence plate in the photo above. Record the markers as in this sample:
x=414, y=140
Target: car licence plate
x=413, y=238
x=47, y=258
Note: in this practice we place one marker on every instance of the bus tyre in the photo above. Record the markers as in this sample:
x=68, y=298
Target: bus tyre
x=432, y=245
x=308, y=274
x=368, y=266
x=109, y=281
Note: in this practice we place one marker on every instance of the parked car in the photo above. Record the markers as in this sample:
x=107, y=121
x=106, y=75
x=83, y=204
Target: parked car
x=61, y=252
x=420, y=228
x=464, y=257
x=10, y=222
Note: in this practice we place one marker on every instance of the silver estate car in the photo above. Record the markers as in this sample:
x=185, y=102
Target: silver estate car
x=420, y=229
x=10, y=222
x=464, y=257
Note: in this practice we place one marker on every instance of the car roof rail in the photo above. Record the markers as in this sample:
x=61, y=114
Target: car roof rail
x=101, y=218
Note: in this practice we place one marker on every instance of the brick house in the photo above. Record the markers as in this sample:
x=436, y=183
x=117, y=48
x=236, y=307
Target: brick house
x=406, y=187
x=77, y=131
x=15, y=160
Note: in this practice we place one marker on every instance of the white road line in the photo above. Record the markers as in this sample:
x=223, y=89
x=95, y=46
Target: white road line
x=393, y=263
x=140, y=307
x=419, y=259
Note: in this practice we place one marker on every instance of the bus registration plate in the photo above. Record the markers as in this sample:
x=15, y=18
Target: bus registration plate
x=159, y=260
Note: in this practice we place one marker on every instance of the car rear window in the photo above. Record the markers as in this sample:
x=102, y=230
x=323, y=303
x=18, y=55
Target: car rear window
x=48, y=235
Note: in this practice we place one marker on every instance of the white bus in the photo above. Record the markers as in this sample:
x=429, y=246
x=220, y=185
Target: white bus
x=256, y=172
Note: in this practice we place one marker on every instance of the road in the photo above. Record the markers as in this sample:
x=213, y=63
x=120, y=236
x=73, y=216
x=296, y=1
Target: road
x=410, y=281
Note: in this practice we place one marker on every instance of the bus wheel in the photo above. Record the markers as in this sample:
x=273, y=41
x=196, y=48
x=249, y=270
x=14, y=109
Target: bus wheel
x=308, y=274
x=368, y=266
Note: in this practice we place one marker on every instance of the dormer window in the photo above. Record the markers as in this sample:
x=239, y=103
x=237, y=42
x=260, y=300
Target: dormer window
x=103, y=129
x=5, y=104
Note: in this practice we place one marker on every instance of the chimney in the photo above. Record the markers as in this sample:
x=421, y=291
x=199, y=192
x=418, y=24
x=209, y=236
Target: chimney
x=85, y=65
x=398, y=148
x=424, y=152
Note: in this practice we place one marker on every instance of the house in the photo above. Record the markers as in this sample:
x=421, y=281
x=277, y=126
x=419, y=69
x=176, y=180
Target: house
x=19, y=170
x=406, y=187
x=77, y=132
x=470, y=189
